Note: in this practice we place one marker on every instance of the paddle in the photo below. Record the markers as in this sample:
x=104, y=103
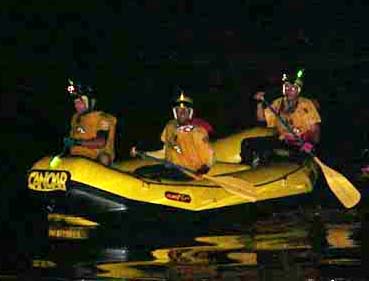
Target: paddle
x=231, y=184
x=338, y=183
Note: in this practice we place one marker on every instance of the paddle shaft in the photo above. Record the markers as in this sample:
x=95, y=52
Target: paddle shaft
x=168, y=164
x=232, y=185
x=285, y=124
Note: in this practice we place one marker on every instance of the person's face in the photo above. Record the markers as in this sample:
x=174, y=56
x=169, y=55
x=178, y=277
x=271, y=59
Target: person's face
x=183, y=114
x=291, y=91
x=80, y=105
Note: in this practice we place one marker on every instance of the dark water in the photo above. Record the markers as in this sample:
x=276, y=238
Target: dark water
x=305, y=244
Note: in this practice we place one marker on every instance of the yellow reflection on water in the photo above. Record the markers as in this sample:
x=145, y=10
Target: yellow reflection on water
x=69, y=232
x=182, y=260
x=340, y=261
x=225, y=242
x=127, y=270
x=69, y=227
x=209, y=255
x=43, y=264
x=340, y=236
x=71, y=220
x=200, y=258
x=291, y=239
x=244, y=258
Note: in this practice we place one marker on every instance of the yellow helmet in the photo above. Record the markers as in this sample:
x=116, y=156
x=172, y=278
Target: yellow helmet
x=183, y=101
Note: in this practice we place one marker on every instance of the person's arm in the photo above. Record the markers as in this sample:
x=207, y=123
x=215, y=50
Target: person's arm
x=102, y=134
x=260, y=115
x=310, y=137
x=98, y=142
x=313, y=135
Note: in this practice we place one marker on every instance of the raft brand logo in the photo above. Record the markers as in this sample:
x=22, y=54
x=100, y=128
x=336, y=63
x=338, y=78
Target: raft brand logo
x=178, y=196
x=47, y=180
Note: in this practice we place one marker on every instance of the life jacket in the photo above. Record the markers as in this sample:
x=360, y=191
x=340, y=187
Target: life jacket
x=86, y=126
x=187, y=146
x=302, y=118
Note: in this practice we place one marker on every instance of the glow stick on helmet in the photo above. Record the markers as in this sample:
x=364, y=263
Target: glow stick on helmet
x=300, y=73
x=298, y=81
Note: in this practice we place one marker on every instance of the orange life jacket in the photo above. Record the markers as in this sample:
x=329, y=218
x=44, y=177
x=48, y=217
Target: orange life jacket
x=302, y=119
x=86, y=126
x=187, y=148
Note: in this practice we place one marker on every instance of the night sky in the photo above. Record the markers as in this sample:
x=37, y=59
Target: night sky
x=137, y=51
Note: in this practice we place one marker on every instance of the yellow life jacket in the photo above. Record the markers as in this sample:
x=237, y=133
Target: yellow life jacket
x=302, y=119
x=86, y=127
x=187, y=148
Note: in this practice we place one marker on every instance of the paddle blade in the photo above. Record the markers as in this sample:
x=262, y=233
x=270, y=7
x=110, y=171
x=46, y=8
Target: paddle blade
x=340, y=185
x=55, y=162
x=235, y=186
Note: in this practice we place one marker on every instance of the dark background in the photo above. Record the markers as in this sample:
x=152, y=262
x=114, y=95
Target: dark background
x=136, y=51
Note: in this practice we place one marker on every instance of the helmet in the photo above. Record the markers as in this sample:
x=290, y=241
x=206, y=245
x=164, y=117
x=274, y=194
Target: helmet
x=87, y=93
x=298, y=81
x=73, y=89
x=183, y=101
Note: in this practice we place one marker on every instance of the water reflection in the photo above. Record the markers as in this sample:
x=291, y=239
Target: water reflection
x=43, y=264
x=340, y=236
x=279, y=248
x=69, y=227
